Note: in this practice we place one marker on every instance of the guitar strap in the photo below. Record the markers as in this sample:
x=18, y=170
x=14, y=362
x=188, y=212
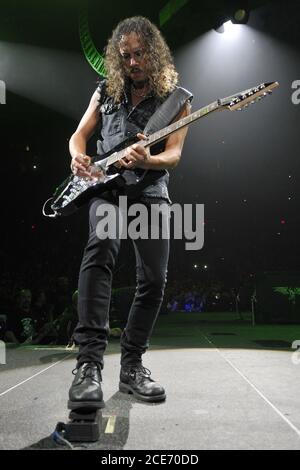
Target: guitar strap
x=162, y=117
x=168, y=110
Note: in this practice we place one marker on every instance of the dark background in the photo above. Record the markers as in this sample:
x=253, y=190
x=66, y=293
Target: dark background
x=243, y=166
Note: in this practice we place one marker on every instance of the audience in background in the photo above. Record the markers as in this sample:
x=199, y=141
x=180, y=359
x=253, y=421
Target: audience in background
x=46, y=313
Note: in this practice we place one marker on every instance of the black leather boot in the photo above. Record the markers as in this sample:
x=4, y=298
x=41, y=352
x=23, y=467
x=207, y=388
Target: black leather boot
x=136, y=380
x=85, y=391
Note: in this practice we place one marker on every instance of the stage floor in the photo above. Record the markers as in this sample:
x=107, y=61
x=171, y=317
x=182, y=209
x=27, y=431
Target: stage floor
x=217, y=397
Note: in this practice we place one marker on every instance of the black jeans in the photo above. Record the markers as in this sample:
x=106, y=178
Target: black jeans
x=94, y=290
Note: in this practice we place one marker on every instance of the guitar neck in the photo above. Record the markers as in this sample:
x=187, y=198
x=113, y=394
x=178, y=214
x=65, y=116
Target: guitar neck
x=166, y=131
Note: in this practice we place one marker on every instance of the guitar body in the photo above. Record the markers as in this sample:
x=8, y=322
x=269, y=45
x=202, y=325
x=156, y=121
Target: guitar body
x=71, y=194
x=75, y=191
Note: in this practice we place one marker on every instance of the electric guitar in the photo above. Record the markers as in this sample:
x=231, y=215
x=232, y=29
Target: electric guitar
x=76, y=191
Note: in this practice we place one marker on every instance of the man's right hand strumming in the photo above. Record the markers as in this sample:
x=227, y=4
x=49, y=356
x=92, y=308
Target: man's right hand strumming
x=80, y=164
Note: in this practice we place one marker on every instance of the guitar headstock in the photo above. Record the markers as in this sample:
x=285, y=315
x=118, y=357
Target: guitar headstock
x=243, y=99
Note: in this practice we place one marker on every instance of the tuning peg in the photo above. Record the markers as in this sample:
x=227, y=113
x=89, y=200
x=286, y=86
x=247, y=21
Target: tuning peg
x=270, y=92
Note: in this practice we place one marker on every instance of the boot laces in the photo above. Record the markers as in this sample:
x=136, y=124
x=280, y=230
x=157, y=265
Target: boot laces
x=141, y=370
x=88, y=370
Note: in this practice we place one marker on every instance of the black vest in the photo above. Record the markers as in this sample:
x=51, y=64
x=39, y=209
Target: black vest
x=120, y=121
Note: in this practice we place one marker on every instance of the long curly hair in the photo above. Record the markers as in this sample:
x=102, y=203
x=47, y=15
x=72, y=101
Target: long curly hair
x=161, y=71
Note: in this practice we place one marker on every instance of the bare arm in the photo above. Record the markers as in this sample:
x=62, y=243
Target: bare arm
x=139, y=157
x=77, y=145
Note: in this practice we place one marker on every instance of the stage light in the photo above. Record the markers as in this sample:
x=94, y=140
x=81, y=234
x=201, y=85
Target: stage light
x=228, y=23
x=228, y=28
x=241, y=16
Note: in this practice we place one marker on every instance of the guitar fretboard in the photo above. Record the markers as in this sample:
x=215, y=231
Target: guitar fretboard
x=166, y=131
x=163, y=133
